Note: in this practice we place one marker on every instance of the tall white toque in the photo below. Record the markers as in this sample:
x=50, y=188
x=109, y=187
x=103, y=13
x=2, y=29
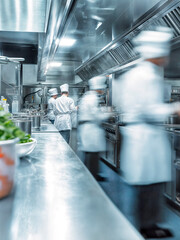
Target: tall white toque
x=64, y=87
x=53, y=91
x=97, y=83
x=153, y=44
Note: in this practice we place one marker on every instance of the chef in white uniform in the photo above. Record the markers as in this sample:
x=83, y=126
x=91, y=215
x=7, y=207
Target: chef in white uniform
x=145, y=159
x=53, y=93
x=63, y=108
x=91, y=135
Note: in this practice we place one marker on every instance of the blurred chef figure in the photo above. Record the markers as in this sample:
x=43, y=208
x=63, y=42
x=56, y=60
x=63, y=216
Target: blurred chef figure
x=145, y=154
x=63, y=108
x=91, y=134
x=53, y=93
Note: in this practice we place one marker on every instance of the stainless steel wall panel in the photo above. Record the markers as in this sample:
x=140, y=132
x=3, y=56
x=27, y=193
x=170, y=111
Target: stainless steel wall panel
x=23, y=15
x=29, y=74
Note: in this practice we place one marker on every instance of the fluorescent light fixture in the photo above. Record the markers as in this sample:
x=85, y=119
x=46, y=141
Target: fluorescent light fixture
x=100, y=19
x=98, y=25
x=57, y=41
x=54, y=64
x=66, y=42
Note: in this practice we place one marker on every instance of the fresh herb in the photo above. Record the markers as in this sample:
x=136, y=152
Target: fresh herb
x=8, y=130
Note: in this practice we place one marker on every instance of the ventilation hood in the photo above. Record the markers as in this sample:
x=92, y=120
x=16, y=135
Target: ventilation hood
x=102, y=30
x=120, y=53
x=91, y=25
x=21, y=24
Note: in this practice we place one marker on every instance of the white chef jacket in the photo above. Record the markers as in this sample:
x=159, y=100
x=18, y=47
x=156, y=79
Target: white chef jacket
x=145, y=153
x=63, y=108
x=91, y=135
x=51, y=103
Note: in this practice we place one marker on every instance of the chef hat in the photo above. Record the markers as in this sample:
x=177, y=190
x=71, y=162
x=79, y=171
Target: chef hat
x=97, y=83
x=153, y=44
x=64, y=87
x=53, y=91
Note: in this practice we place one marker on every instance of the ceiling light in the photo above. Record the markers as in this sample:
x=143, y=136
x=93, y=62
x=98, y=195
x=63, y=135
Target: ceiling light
x=57, y=41
x=54, y=64
x=98, y=18
x=98, y=25
x=66, y=42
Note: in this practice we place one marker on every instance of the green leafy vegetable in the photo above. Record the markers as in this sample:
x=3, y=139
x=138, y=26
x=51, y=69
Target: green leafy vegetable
x=8, y=129
x=27, y=138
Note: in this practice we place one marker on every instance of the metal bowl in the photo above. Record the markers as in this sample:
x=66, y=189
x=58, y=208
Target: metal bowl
x=24, y=149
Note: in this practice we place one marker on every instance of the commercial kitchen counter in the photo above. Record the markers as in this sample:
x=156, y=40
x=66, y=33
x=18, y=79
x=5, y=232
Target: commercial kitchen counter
x=46, y=127
x=55, y=197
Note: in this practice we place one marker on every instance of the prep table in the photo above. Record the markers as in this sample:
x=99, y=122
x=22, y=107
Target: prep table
x=55, y=197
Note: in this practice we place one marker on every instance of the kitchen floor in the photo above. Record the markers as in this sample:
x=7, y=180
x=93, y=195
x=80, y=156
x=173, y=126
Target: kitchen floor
x=118, y=193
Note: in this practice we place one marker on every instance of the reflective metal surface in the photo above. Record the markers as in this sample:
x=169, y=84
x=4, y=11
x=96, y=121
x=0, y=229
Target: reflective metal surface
x=98, y=28
x=17, y=15
x=36, y=121
x=93, y=26
x=120, y=51
x=23, y=123
x=55, y=197
x=45, y=128
x=59, y=13
x=21, y=23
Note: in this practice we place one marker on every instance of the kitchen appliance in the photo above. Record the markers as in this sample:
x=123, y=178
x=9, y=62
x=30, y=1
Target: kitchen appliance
x=36, y=121
x=112, y=144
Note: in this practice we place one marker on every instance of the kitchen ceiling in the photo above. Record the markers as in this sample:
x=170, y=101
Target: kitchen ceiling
x=39, y=25
x=92, y=25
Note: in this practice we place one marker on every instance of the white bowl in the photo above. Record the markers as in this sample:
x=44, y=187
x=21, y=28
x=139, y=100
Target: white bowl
x=24, y=149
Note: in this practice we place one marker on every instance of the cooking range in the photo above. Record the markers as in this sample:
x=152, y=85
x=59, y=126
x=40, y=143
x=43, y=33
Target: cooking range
x=112, y=144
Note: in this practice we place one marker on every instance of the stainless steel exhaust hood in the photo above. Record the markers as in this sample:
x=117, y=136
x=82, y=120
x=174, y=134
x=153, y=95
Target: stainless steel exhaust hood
x=58, y=19
x=21, y=22
x=120, y=51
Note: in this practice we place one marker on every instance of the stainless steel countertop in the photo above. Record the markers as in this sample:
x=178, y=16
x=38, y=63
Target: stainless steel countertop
x=56, y=198
x=177, y=126
x=165, y=126
x=46, y=127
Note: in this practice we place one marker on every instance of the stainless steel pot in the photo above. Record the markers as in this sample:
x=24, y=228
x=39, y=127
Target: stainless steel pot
x=36, y=121
x=23, y=123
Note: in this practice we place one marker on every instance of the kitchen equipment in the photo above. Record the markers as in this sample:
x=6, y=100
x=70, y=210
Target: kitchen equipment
x=24, y=149
x=21, y=115
x=23, y=123
x=112, y=144
x=36, y=121
x=173, y=119
x=8, y=158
